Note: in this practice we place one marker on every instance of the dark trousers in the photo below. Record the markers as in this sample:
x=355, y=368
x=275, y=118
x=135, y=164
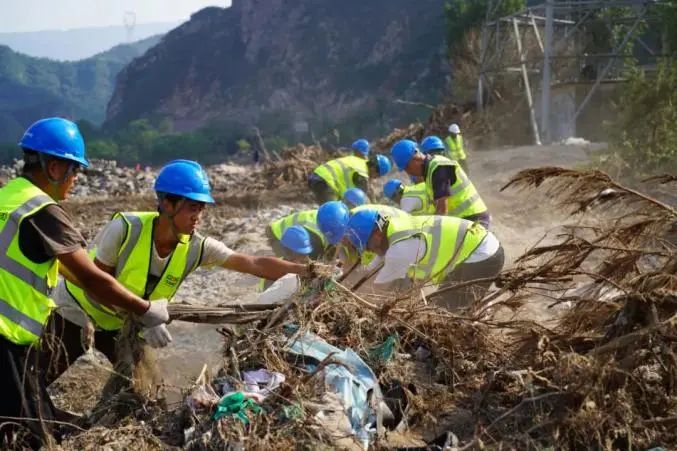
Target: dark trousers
x=24, y=395
x=64, y=342
x=322, y=192
x=466, y=295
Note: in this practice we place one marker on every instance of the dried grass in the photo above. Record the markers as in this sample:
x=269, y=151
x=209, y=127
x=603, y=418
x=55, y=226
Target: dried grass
x=603, y=376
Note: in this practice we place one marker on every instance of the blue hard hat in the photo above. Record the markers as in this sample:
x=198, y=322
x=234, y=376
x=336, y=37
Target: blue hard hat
x=362, y=146
x=431, y=143
x=402, y=152
x=360, y=228
x=392, y=187
x=297, y=239
x=354, y=197
x=382, y=163
x=57, y=137
x=184, y=178
x=332, y=219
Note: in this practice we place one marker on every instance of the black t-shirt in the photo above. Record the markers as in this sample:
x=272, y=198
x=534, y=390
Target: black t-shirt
x=442, y=179
x=49, y=233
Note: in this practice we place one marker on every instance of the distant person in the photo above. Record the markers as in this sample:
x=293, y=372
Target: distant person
x=151, y=253
x=361, y=148
x=439, y=249
x=455, y=147
x=446, y=183
x=332, y=179
x=39, y=239
x=412, y=199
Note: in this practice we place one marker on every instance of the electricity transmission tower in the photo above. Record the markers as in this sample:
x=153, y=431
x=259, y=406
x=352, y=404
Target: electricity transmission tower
x=555, y=48
x=129, y=20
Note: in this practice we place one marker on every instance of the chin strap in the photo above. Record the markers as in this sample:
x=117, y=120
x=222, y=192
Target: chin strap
x=179, y=204
x=54, y=182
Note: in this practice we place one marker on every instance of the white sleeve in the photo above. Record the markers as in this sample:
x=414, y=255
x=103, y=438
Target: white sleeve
x=399, y=258
x=410, y=204
x=109, y=241
x=215, y=253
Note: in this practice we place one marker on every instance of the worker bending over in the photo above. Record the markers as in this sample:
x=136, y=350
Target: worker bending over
x=412, y=199
x=332, y=179
x=446, y=183
x=439, y=249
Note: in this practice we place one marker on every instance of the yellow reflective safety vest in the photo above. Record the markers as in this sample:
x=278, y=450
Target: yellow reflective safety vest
x=449, y=241
x=306, y=219
x=455, y=150
x=339, y=173
x=420, y=193
x=132, y=268
x=464, y=200
x=25, y=286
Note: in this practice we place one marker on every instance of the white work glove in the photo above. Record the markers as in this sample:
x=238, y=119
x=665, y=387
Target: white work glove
x=156, y=314
x=157, y=337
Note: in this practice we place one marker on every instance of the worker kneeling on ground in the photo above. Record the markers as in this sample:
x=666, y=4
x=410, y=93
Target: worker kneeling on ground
x=37, y=239
x=440, y=249
x=412, y=199
x=332, y=179
x=446, y=183
x=151, y=253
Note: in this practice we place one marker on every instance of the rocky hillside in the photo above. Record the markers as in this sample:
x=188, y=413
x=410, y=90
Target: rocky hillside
x=262, y=61
x=31, y=88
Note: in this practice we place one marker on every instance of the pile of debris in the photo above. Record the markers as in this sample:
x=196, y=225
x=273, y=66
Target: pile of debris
x=473, y=125
x=330, y=367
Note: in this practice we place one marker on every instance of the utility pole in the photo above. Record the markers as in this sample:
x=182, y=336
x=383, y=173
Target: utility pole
x=547, y=68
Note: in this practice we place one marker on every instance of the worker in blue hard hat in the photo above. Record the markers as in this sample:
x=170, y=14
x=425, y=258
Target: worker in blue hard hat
x=37, y=241
x=433, y=145
x=332, y=220
x=446, y=183
x=410, y=198
x=151, y=253
x=437, y=249
x=307, y=219
x=296, y=243
x=332, y=179
x=354, y=197
x=360, y=148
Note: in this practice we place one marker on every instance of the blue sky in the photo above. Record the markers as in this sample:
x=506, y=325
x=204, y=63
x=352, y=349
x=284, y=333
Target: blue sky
x=34, y=15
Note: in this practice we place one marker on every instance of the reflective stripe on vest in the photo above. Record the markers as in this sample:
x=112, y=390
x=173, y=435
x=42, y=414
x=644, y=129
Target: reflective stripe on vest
x=339, y=173
x=133, y=266
x=420, y=193
x=25, y=286
x=306, y=219
x=455, y=148
x=438, y=232
x=464, y=200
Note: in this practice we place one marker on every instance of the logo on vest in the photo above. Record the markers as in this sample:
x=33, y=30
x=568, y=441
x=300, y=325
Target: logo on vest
x=4, y=215
x=171, y=280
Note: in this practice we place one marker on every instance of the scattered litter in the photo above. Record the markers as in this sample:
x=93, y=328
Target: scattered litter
x=236, y=404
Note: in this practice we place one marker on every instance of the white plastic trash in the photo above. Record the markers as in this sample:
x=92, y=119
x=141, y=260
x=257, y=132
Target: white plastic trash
x=283, y=288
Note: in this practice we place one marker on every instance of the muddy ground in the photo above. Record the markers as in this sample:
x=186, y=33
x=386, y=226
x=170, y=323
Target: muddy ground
x=519, y=220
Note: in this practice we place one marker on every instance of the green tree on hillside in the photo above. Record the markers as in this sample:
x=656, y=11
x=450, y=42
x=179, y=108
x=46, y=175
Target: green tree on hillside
x=462, y=15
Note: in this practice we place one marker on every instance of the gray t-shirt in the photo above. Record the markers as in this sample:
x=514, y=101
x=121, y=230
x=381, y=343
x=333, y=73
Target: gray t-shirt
x=108, y=243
